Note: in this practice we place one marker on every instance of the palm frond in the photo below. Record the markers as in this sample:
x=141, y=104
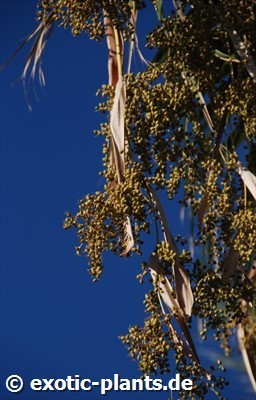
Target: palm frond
x=248, y=355
x=248, y=178
x=182, y=283
x=166, y=292
x=34, y=61
x=118, y=147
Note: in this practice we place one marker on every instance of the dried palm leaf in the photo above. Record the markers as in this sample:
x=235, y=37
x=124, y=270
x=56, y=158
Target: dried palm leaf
x=129, y=241
x=248, y=178
x=39, y=30
x=115, y=50
x=248, y=356
x=134, y=42
x=166, y=293
x=225, y=57
x=42, y=33
x=142, y=58
x=181, y=344
x=118, y=147
x=35, y=55
x=175, y=336
x=182, y=283
x=133, y=21
x=202, y=103
x=117, y=126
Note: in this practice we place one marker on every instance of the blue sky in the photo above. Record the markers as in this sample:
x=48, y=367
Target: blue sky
x=54, y=321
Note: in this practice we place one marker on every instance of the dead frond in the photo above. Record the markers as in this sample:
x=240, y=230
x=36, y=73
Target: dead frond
x=34, y=61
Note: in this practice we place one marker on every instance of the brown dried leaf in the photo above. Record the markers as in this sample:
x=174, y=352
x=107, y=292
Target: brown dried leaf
x=248, y=178
x=35, y=55
x=40, y=30
x=34, y=60
x=173, y=306
x=175, y=336
x=133, y=21
x=180, y=342
x=118, y=149
x=117, y=126
x=117, y=123
x=248, y=357
x=115, y=50
x=129, y=241
x=182, y=284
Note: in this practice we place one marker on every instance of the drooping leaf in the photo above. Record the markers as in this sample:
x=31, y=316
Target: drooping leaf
x=36, y=52
x=248, y=355
x=202, y=103
x=159, y=9
x=117, y=126
x=128, y=239
x=118, y=150
x=42, y=33
x=117, y=123
x=133, y=21
x=134, y=41
x=181, y=344
x=39, y=31
x=115, y=51
x=164, y=284
x=248, y=178
x=166, y=293
x=175, y=336
x=182, y=283
x=225, y=57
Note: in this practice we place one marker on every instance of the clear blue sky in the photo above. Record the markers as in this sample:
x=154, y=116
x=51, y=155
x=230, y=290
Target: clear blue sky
x=54, y=321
